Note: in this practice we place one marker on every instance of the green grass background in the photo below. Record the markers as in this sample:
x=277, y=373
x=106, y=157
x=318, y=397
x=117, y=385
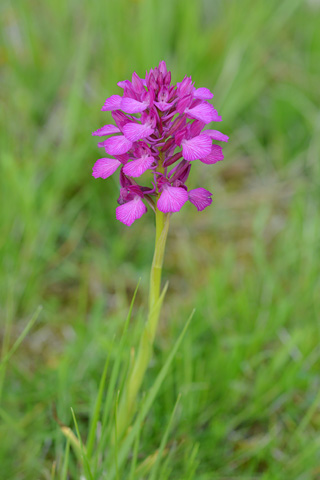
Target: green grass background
x=248, y=367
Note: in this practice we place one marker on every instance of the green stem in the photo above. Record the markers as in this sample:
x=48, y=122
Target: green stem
x=140, y=365
x=162, y=226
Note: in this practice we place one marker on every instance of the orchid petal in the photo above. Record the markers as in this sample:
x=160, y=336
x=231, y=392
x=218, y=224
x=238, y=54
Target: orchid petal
x=112, y=103
x=195, y=128
x=163, y=106
x=185, y=87
x=129, y=105
x=104, y=167
x=172, y=199
x=163, y=67
x=106, y=130
x=131, y=211
x=138, y=167
x=196, y=147
x=184, y=103
x=204, y=112
x=136, y=131
x=216, y=135
x=137, y=83
x=200, y=197
x=214, y=156
x=116, y=145
x=202, y=93
x=124, y=84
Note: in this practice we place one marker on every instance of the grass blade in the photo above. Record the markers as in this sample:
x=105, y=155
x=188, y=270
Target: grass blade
x=155, y=468
x=84, y=457
x=124, y=451
x=64, y=473
x=116, y=436
x=96, y=412
x=21, y=337
x=134, y=456
x=115, y=376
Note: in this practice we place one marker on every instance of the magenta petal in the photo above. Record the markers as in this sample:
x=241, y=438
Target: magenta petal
x=104, y=167
x=200, y=197
x=196, y=128
x=116, y=145
x=214, y=156
x=172, y=199
x=196, y=147
x=184, y=103
x=163, y=106
x=202, y=93
x=138, y=167
x=112, y=103
x=216, y=135
x=124, y=83
x=131, y=211
x=106, y=130
x=129, y=105
x=137, y=83
x=204, y=112
x=136, y=131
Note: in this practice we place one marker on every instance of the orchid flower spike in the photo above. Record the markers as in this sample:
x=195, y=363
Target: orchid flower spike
x=158, y=131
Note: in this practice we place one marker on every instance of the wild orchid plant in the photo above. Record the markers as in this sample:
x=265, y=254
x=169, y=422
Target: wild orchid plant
x=159, y=133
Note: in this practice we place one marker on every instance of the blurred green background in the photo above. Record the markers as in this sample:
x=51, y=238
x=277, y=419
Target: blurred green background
x=248, y=369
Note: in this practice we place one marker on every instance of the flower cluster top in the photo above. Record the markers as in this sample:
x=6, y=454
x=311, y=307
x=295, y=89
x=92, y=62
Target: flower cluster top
x=158, y=130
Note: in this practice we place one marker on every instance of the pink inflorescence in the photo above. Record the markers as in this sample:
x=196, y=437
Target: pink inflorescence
x=158, y=129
